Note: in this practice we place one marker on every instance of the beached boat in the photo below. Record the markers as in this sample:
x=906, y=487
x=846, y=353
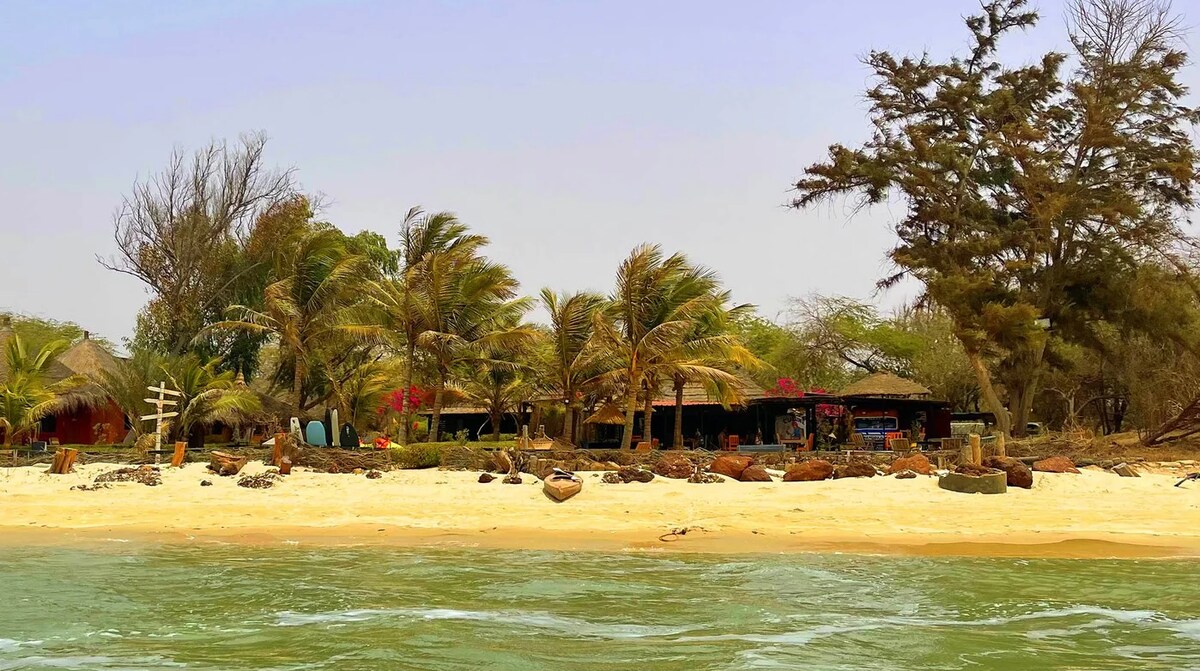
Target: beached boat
x=562, y=485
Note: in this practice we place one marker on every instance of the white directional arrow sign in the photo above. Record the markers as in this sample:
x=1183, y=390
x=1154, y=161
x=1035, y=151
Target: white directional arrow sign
x=165, y=415
x=156, y=401
x=163, y=390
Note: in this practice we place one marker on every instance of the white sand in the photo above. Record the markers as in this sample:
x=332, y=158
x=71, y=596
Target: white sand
x=1091, y=514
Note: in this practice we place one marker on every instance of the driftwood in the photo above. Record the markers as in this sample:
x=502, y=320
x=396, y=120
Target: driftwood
x=64, y=460
x=223, y=463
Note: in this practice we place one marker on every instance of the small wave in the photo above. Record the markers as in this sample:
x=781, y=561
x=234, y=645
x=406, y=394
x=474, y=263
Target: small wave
x=545, y=621
x=8, y=644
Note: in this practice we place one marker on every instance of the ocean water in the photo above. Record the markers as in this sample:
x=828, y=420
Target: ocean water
x=300, y=608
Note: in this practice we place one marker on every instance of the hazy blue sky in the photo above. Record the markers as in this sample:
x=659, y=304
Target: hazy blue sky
x=566, y=131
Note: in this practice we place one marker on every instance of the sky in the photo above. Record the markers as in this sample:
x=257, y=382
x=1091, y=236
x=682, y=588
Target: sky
x=567, y=132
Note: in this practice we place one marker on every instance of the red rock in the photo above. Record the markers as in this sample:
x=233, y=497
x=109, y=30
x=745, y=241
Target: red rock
x=674, y=466
x=755, y=474
x=1055, y=465
x=1019, y=474
x=916, y=463
x=854, y=469
x=730, y=465
x=809, y=471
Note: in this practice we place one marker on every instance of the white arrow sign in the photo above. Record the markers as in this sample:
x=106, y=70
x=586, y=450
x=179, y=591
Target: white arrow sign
x=165, y=415
x=157, y=401
x=163, y=390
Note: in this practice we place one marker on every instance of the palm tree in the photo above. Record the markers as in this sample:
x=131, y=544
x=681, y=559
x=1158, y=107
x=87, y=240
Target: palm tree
x=648, y=328
x=307, y=304
x=27, y=394
x=423, y=238
x=572, y=360
x=468, y=307
x=498, y=385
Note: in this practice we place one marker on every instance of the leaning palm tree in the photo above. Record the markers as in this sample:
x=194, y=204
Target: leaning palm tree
x=468, y=306
x=423, y=238
x=306, y=304
x=646, y=330
x=207, y=395
x=572, y=360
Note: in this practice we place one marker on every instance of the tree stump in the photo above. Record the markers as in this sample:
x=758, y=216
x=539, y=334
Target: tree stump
x=285, y=466
x=277, y=449
x=223, y=463
x=180, y=455
x=64, y=460
x=976, y=445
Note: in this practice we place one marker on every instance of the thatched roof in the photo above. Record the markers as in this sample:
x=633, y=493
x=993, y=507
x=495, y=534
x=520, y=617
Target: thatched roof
x=609, y=413
x=695, y=393
x=86, y=358
x=885, y=385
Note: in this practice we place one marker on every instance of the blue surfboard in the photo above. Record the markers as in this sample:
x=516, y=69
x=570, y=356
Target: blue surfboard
x=314, y=434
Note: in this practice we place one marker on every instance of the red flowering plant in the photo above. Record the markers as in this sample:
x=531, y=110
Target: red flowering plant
x=395, y=401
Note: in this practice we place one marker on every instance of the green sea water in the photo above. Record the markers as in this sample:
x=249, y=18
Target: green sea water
x=124, y=606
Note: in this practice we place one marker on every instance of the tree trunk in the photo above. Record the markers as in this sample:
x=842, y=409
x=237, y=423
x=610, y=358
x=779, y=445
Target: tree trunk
x=677, y=438
x=569, y=423
x=647, y=415
x=494, y=418
x=408, y=375
x=435, y=422
x=990, y=398
x=298, y=387
x=630, y=410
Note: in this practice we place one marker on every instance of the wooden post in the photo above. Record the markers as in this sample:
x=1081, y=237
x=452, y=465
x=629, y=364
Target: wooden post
x=180, y=455
x=277, y=449
x=285, y=466
x=976, y=446
x=1001, y=450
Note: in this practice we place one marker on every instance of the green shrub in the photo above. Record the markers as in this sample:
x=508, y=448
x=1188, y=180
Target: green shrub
x=417, y=455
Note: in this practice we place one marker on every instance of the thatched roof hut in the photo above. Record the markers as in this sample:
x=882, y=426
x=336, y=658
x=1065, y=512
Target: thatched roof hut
x=86, y=358
x=609, y=413
x=885, y=385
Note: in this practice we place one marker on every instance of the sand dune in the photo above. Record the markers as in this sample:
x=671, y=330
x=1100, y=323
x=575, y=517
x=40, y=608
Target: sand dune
x=1092, y=514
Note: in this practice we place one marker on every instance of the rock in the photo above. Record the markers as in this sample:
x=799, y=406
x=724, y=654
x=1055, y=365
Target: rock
x=992, y=482
x=854, y=469
x=702, y=478
x=1018, y=473
x=906, y=474
x=206, y=483
x=755, y=474
x=809, y=471
x=486, y=478
x=1055, y=465
x=916, y=463
x=634, y=474
x=374, y=474
x=731, y=465
x=674, y=466
x=512, y=479
x=1125, y=470
x=611, y=478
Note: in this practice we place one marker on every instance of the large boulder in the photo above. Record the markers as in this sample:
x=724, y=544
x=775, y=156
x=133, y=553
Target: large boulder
x=991, y=482
x=674, y=466
x=854, y=469
x=730, y=465
x=755, y=474
x=809, y=471
x=1055, y=465
x=916, y=463
x=1018, y=474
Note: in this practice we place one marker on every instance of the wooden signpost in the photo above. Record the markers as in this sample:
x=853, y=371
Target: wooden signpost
x=160, y=404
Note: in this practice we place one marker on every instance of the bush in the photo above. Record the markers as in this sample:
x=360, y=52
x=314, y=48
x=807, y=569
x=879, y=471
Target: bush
x=417, y=455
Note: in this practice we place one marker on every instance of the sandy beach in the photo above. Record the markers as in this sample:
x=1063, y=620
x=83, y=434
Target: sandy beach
x=1092, y=514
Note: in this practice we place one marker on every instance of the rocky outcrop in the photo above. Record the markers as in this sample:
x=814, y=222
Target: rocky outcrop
x=917, y=463
x=854, y=469
x=1018, y=474
x=731, y=465
x=809, y=471
x=674, y=466
x=755, y=474
x=1055, y=465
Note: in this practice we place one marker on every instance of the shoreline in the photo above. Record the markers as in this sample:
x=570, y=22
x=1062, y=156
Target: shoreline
x=1091, y=515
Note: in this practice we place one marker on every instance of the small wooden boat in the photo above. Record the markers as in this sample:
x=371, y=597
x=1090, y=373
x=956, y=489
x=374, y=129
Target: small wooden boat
x=561, y=485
